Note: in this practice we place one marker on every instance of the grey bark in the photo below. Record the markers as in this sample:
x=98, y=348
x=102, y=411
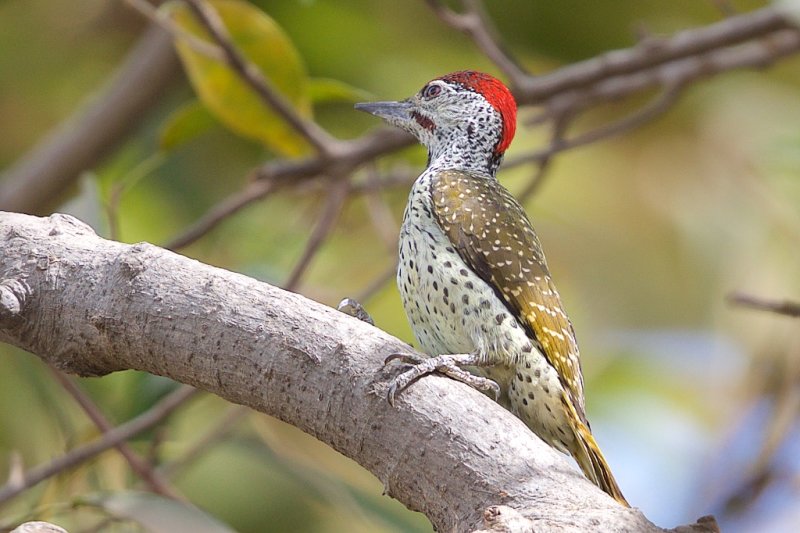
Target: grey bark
x=91, y=306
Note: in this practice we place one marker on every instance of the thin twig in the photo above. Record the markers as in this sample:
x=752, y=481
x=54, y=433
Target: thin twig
x=781, y=307
x=140, y=467
x=220, y=211
x=377, y=284
x=692, y=43
x=402, y=177
x=560, y=123
x=200, y=46
x=327, y=220
x=379, y=212
x=222, y=426
x=644, y=115
x=121, y=433
x=252, y=75
x=476, y=25
x=270, y=177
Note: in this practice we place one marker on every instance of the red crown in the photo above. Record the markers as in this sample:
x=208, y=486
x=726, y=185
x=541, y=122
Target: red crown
x=496, y=94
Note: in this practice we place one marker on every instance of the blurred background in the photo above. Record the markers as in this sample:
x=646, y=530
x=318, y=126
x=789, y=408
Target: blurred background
x=693, y=400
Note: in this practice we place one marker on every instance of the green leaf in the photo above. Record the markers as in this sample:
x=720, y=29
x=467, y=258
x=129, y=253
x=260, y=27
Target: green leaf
x=221, y=89
x=326, y=90
x=190, y=120
x=156, y=513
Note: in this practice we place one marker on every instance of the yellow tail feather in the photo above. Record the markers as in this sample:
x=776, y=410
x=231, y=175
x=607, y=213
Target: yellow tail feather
x=589, y=457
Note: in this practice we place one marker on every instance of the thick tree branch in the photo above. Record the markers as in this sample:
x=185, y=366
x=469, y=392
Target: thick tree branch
x=93, y=306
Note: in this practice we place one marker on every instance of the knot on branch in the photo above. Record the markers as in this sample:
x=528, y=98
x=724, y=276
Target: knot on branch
x=14, y=294
x=504, y=519
x=63, y=223
x=135, y=260
x=39, y=527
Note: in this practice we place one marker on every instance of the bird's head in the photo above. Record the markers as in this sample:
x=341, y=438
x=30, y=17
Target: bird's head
x=467, y=110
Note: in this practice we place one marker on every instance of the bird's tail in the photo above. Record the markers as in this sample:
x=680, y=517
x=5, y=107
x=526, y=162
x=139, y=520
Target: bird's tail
x=589, y=457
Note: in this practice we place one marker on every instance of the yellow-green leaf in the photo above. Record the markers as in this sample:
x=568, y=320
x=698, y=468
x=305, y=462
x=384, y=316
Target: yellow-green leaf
x=184, y=124
x=221, y=89
x=326, y=90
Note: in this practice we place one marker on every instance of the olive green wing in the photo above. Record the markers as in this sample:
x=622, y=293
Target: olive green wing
x=493, y=235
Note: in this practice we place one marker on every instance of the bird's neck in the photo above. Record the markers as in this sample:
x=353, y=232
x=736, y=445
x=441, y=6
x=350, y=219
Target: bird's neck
x=466, y=155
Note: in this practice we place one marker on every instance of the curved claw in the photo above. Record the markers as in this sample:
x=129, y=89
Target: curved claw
x=408, y=358
x=494, y=387
x=391, y=392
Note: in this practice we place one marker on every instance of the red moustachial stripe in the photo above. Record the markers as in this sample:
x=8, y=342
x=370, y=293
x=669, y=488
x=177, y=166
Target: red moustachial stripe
x=496, y=94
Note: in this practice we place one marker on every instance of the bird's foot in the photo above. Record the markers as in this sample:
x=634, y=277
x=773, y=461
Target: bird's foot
x=447, y=364
x=351, y=307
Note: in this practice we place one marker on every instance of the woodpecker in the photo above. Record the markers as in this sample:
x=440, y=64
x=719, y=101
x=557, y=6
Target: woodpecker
x=472, y=275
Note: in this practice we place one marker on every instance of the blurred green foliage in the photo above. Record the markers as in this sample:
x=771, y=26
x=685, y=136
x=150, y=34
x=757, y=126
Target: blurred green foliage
x=645, y=235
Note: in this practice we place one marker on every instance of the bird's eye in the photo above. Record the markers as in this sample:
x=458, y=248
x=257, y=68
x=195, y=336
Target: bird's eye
x=432, y=91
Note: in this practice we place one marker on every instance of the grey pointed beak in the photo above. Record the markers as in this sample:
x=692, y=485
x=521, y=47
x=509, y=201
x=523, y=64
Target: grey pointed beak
x=392, y=112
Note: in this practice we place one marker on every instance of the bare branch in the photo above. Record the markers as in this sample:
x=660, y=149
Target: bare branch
x=653, y=109
x=142, y=468
x=227, y=422
x=377, y=284
x=333, y=207
x=229, y=206
x=560, y=123
x=476, y=25
x=379, y=212
x=689, y=44
x=76, y=456
x=274, y=175
x=784, y=307
x=147, y=10
x=289, y=357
